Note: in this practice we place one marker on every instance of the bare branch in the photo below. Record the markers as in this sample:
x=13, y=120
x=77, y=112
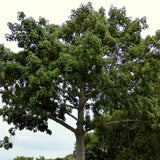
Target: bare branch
x=87, y=130
x=44, y=114
x=67, y=126
x=72, y=116
x=119, y=121
x=125, y=121
x=70, y=106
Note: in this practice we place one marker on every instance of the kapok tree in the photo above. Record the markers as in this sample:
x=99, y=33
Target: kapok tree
x=77, y=67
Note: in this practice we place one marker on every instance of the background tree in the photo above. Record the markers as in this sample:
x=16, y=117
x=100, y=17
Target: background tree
x=90, y=63
x=116, y=138
x=41, y=158
x=23, y=158
x=68, y=157
x=132, y=130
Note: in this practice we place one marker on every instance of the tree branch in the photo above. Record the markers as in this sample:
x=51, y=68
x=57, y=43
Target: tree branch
x=44, y=114
x=118, y=121
x=90, y=94
x=72, y=116
x=67, y=91
x=124, y=121
x=67, y=105
x=67, y=126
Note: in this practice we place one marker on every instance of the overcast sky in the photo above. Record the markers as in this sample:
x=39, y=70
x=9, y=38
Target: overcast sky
x=61, y=142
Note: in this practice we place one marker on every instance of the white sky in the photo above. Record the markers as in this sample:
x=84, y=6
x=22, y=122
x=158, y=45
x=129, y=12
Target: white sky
x=61, y=142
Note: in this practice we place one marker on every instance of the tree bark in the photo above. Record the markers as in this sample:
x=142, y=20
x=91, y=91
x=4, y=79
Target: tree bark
x=79, y=133
x=80, y=151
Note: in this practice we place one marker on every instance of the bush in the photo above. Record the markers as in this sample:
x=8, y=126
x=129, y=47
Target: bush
x=23, y=158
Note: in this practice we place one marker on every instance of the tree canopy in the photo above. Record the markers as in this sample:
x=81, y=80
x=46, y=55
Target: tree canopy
x=92, y=62
x=117, y=137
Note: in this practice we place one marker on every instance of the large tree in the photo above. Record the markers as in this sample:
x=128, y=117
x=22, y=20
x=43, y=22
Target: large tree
x=132, y=130
x=84, y=65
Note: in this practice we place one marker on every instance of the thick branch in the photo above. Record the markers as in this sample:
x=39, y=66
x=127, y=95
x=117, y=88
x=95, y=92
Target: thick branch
x=70, y=106
x=119, y=121
x=44, y=114
x=67, y=126
x=72, y=116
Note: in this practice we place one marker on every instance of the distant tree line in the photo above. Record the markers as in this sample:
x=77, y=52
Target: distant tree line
x=68, y=157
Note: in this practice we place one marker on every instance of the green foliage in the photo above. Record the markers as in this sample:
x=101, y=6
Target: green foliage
x=51, y=70
x=23, y=158
x=41, y=158
x=68, y=157
x=119, y=137
x=5, y=143
x=92, y=62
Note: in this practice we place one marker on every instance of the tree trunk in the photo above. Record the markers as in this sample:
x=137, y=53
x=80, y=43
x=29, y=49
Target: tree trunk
x=80, y=151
